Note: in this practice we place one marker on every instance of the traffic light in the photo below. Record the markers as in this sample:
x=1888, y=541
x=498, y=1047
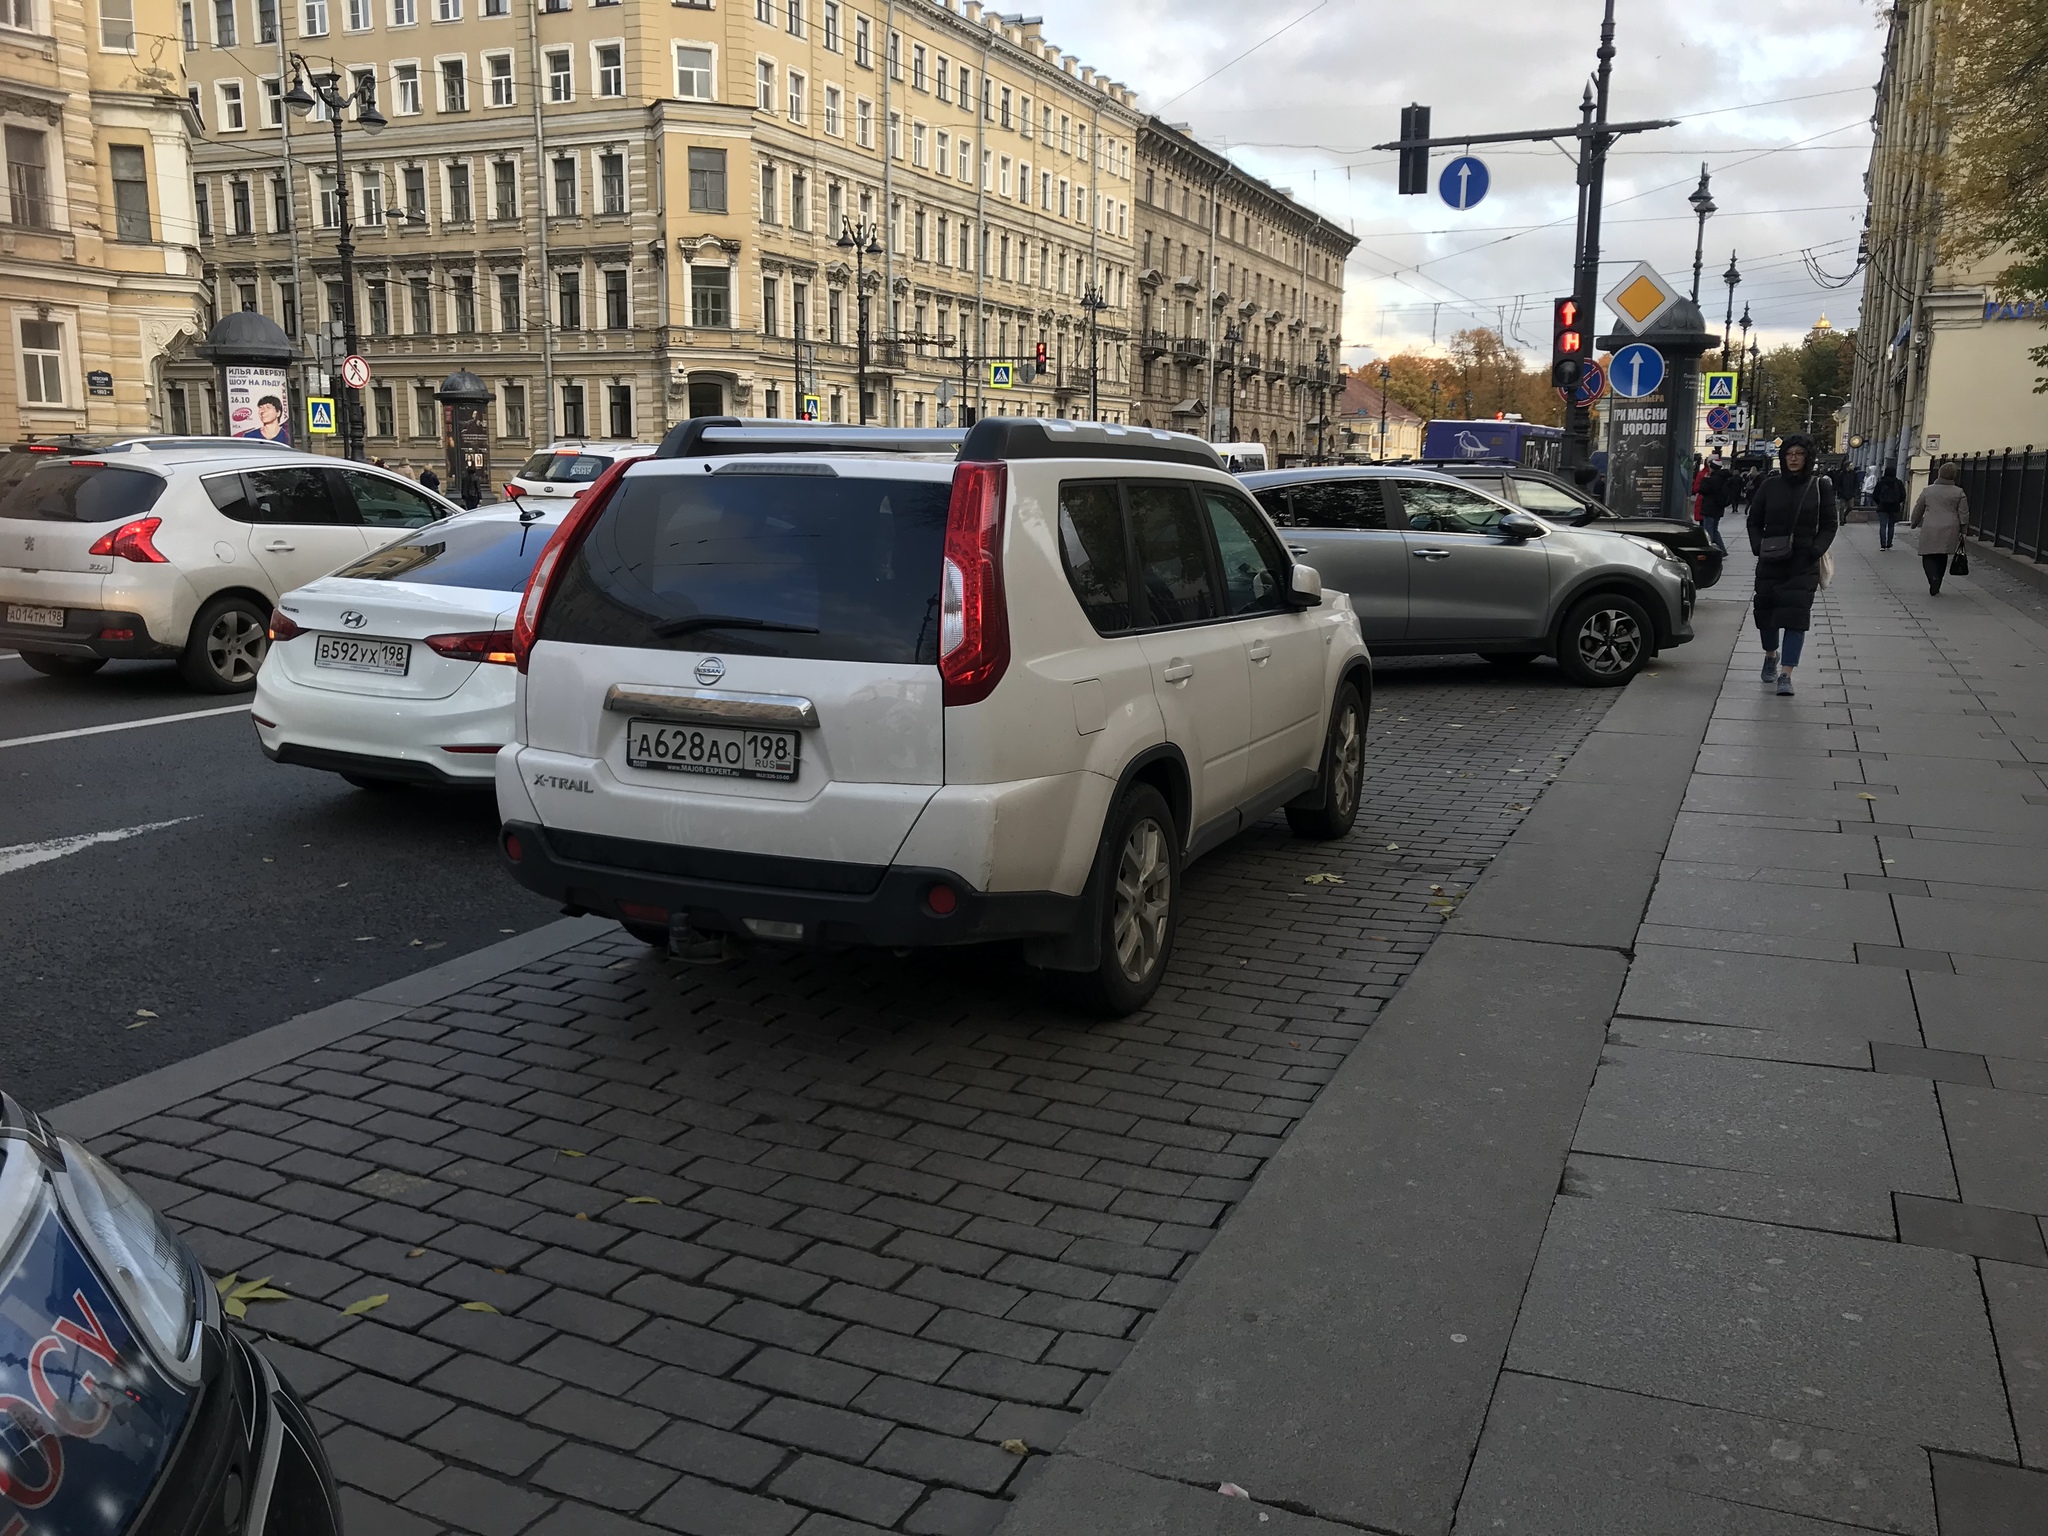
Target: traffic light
x=1041, y=357
x=1414, y=162
x=1567, y=343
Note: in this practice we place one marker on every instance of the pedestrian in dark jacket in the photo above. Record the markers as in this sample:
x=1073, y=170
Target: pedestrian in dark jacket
x=472, y=489
x=1717, y=493
x=429, y=479
x=1890, y=499
x=1791, y=525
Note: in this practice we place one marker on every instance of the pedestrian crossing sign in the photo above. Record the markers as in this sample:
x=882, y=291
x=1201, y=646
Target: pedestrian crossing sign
x=1720, y=389
x=999, y=375
x=320, y=415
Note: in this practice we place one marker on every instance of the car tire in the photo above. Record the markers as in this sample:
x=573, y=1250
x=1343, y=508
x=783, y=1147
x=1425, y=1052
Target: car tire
x=62, y=666
x=1140, y=875
x=226, y=647
x=372, y=783
x=1605, y=640
x=648, y=934
x=1507, y=659
x=1342, y=775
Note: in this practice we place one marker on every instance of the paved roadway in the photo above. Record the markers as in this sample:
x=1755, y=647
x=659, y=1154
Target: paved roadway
x=277, y=890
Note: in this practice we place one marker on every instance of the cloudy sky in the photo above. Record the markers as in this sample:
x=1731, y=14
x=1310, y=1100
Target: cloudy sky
x=1776, y=99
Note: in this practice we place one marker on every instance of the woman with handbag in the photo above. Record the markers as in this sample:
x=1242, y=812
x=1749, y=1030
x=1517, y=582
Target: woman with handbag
x=1941, y=514
x=1791, y=524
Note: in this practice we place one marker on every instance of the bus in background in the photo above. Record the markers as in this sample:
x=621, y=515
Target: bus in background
x=1242, y=458
x=1513, y=442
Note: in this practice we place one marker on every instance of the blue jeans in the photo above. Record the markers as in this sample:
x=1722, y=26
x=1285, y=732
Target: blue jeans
x=1711, y=521
x=1887, y=520
x=1795, y=642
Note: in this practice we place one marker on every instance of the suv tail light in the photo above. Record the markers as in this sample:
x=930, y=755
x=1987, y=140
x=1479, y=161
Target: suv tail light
x=132, y=541
x=574, y=528
x=492, y=645
x=282, y=627
x=974, y=619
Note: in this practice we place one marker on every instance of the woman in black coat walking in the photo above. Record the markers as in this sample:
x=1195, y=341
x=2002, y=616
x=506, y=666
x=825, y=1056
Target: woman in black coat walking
x=1791, y=525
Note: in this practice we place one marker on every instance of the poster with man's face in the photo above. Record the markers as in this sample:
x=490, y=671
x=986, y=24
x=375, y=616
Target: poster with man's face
x=257, y=404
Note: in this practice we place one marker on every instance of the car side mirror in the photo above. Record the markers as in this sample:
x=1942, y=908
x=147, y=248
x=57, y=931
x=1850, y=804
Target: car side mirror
x=1307, y=587
x=1520, y=525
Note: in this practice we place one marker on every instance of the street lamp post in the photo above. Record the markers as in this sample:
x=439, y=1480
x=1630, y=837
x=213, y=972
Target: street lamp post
x=1233, y=333
x=1387, y=373
x=1743, y=383
x=363, y=96
x=860, y=239
x=1703, y=208
x=1093, y=301
x=1731, y=277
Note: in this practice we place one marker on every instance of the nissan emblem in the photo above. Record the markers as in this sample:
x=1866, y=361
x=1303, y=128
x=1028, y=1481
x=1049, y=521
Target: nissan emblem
x=710, y=670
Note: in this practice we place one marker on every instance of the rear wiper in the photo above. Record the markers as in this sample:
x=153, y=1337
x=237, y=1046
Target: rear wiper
x=697, y=621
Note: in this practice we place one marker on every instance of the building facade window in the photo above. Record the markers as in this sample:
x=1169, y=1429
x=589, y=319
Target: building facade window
x=799, y=200
x=377, y=293
x=420, y=293
x=799, y=90
x=611, y=181
x=508, y=302
x=458, y=193
x=573, y=422
x=707, y=181
x=462, y=294
x=42, y=361
x=384, y=415
x=764, y=86
x=405, y=89
x=711, y=297
x=833, y=125
x=414, y=179
x=771, y=306
x=513, y=398
x=498, y=71
x=569, y=300
x=565, y=186
x=425, y=416
x=454, y=85
x=693, y=73
x=616, y=317
x=611, y=69
x=561, y=76
x=619, y=410
x=504, y=190
x=231, y=118
x=125, y=163
x=771, y=213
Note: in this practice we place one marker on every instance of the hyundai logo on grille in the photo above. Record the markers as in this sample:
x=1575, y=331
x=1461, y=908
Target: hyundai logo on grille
x=350, y=619
x=710, y=670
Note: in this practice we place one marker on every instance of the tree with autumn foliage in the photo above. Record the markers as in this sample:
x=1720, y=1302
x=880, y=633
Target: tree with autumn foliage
x=1481, y=375
x=1995, y=169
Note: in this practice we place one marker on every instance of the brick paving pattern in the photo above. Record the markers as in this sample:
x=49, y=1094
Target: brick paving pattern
x=816, y=1244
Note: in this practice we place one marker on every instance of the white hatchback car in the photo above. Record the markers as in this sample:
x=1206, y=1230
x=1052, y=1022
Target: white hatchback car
x=564, y=471
x=397, y=668
x=181, y=551
x=826, y=685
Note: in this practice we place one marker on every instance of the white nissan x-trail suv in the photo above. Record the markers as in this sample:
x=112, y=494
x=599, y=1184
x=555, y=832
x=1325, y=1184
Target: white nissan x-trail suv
x=837, y=686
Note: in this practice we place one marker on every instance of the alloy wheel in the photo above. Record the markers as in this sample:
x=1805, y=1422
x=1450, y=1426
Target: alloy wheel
x=1610, y=641
x=235, y=646
x=1144, y=890
x=1349, y=761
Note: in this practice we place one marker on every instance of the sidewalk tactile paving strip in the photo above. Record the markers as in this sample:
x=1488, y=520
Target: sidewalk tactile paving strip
x=800, y=1245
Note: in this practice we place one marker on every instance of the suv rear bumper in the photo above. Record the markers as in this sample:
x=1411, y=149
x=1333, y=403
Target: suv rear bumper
x=719, y=891
x=83, y=635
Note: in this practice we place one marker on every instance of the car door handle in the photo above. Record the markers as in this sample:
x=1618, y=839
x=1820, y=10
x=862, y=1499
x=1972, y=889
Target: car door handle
x=1177, y=671
x=1260, y=651
x=1432, y=554
x=278, y=547
x=1297, y=549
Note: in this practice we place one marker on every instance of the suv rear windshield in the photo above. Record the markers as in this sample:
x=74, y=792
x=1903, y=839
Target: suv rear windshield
x=763, y=564
x=83, y=493
x=564, y=468
x=492, y=554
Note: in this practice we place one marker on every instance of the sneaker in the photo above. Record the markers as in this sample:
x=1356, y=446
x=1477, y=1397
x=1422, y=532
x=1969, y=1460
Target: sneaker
x=1771, y=667
x=1784, y=684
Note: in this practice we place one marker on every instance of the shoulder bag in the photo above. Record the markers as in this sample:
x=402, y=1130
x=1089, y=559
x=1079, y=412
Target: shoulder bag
x=1959, y=564
x=1776, y=546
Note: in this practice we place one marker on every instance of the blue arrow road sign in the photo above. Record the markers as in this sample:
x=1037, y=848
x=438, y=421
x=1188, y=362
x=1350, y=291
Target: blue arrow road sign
x=1636, y=371
x=1591, y=386
x=1463, y=182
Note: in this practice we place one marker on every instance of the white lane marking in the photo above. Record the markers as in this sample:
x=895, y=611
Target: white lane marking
x=126, y=725
x=22, y=855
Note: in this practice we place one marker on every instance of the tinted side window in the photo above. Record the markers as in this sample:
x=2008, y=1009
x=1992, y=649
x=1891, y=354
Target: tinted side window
x=230, y=497
x=383, y=503
x=1092, y=550
x=1275, y=503
x=1340, y=504
x=1548, y=500
x=1173, y=554
x=491, y=554
x=82, y=493
x=1254, y=567
x=296, y=495
x=1437, y=508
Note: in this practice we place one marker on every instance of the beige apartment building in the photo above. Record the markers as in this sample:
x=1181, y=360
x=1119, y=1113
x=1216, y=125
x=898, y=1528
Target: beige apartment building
x=98, y=274
x=1240, y=302
x=620, y=214
x=1941, y=364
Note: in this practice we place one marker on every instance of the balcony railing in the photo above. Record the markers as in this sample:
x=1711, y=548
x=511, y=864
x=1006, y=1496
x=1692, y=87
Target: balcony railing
x=1190, y=349
x=1154, y=343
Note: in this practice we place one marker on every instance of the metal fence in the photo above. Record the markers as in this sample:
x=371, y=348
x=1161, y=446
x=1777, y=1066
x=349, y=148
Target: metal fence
x=2008, y=494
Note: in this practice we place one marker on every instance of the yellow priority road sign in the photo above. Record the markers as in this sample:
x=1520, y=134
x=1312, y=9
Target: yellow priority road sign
x=1640, y=299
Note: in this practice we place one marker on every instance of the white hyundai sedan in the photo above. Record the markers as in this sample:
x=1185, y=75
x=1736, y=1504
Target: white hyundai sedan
x=399, y=668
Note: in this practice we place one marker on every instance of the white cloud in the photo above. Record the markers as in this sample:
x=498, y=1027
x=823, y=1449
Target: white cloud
x=1303, y=110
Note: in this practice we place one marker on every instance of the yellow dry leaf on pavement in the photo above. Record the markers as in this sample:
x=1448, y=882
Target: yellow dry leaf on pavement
x=367, y=1304
x=478, y=1306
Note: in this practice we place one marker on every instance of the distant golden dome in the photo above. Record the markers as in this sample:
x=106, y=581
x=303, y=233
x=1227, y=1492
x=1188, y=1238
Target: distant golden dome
x=1822, y=323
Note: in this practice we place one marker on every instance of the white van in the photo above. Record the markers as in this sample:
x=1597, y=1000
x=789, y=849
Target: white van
x=1242, y=458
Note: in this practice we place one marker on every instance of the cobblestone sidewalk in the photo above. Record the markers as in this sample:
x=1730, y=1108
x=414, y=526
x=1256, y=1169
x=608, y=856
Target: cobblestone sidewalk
x=825, y=1244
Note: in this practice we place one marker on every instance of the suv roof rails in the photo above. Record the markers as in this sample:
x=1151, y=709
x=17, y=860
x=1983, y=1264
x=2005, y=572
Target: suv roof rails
x=704, y=436
x=996, y=438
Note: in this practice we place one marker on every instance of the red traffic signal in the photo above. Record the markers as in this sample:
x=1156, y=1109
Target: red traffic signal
x=1567, y=343
x=1041, y=357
